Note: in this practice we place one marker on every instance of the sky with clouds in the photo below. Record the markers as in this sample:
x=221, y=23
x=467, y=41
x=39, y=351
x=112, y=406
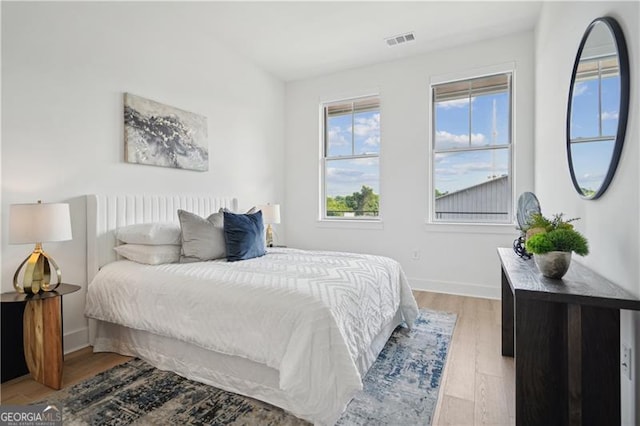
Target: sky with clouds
x=464, y=123
x=469, y=123
x=352, y=135
x=591, y=159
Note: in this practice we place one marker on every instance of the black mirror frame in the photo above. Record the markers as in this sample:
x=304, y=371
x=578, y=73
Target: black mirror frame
x=623, y=58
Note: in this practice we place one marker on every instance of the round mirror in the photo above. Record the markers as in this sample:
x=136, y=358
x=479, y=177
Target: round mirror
x=598, y=107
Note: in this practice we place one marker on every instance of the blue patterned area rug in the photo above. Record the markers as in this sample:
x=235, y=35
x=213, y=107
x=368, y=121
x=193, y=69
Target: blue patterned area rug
x=401, y=388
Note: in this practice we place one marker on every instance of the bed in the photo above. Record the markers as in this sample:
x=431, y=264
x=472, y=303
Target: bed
x=294, y=328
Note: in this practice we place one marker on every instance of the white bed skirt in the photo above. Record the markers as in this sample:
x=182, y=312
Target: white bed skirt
x=231, y=373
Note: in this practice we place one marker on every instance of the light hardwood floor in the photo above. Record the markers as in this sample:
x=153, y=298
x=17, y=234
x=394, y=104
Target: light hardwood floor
x=477, y=386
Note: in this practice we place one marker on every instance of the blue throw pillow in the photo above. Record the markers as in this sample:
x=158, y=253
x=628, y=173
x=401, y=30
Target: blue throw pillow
x=243, y=236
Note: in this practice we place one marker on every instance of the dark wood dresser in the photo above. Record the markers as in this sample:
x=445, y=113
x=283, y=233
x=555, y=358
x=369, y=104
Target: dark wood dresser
x=565, y=336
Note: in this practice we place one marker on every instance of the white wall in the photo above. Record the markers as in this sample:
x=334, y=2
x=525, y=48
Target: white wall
x=453, y=259
x=65, y=67
x=610, y=223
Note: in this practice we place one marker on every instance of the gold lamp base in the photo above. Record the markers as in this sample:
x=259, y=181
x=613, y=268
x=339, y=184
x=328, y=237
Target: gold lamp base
x=269, y=236
x=37, y=273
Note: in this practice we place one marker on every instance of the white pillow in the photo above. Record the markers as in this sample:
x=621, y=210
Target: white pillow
x=150, y=234
x=150, y=255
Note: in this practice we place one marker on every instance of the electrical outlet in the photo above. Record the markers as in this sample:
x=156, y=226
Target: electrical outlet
x=415, y=255
x=625, y=361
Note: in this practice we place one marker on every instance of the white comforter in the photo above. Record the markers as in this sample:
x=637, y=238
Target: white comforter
x=308, y=314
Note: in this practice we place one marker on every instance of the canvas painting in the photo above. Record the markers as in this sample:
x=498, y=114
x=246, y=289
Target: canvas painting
x=161, y=135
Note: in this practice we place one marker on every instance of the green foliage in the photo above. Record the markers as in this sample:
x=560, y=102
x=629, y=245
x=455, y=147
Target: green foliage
x=440, y=193
x=336, y=205
x=537, y=220
x=555, y=234
x=568, y=240
x=363, y=203
x=539, y=244
x=588, y=192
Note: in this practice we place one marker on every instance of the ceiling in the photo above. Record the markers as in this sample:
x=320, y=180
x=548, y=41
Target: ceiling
x=296, y=40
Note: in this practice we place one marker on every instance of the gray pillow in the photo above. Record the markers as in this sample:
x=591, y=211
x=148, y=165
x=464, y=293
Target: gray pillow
x=252, y=210
x=202, y=239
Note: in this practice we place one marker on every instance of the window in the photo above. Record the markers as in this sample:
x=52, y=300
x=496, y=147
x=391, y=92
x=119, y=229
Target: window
x=351, y=159
x=471, y=161
x=598, y=85
x=595, y=107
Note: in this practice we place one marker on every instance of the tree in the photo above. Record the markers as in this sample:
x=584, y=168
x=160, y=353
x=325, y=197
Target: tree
x=588, y=192
x=365, y=202
x=336, y=206
x=440, y=193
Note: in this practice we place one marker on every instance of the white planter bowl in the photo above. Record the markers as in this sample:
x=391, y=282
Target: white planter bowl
x=553, y=264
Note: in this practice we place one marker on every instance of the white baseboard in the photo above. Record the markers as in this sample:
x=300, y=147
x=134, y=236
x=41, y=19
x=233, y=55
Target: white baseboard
x=461, y=289
x=76, y=340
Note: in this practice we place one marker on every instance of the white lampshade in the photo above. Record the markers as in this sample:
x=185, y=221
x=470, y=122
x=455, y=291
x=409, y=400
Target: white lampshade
x=38, y=223
x=271, y=213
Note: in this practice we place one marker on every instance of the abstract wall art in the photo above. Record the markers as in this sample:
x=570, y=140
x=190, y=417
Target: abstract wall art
x=161, y=135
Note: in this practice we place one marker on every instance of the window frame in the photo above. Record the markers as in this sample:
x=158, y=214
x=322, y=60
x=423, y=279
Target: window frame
x=368, y=221
x=598, y=76
x=452, y=224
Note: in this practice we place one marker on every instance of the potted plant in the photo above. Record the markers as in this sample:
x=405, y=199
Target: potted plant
x=552, y=241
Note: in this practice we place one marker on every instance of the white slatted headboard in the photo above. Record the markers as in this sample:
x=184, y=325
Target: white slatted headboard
x=106, y=213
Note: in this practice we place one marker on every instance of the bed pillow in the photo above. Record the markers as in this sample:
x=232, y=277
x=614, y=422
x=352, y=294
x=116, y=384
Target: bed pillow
x=150, y=234
x=202, y=239
x=251, y=210
x=150, y=255
x=244, y=236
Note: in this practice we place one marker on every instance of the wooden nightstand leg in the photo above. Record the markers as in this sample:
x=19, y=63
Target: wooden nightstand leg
x=43, y=341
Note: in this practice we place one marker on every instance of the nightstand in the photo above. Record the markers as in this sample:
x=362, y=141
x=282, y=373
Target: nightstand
x=42, y=333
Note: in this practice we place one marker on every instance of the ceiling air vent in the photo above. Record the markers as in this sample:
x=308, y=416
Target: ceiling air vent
x=400, y=39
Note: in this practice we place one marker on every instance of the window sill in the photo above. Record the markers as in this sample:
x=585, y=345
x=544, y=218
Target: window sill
x=350, y=224
x=472, y=228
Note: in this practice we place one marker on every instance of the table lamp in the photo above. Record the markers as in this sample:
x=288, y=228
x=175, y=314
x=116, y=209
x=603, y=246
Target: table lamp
x=270, y=215
x=38, y=223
